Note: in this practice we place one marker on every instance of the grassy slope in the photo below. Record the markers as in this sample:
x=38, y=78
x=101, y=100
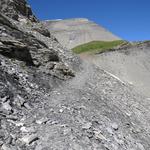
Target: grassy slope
x=96, y=46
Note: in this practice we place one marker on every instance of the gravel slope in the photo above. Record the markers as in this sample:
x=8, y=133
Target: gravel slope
x=94, y=111
x=132, y=66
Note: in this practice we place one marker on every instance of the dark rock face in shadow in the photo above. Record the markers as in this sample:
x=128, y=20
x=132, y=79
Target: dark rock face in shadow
x=16, y=50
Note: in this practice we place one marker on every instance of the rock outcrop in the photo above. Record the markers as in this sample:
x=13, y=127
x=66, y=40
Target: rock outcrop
x=24, y=42
x=17, y=10
x=73, y=32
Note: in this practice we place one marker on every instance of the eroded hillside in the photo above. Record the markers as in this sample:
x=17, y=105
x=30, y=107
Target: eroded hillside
x=51, y=99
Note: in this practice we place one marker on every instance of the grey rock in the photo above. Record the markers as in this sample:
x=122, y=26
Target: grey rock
x=7, y=106
x=9, y=140
x=99, y=136
x=19, y=100
x=19, y=124
x=115, y=126
x=87, y=125
x=40, y=28
x=28, y=139
x=42, y=121
x=27, y=129
x=1, y=143
x=27, y=106
x=67, y=131
x=12, y=117
x=6, y=147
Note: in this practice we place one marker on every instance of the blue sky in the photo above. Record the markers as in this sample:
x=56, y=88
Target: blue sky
x=129, y=19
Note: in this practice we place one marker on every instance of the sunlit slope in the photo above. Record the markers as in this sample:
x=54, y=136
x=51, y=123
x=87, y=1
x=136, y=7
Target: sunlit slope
x=131, y=65
x=97, y=46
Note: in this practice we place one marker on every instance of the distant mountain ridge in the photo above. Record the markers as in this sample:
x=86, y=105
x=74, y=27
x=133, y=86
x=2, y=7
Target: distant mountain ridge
x=73, y=32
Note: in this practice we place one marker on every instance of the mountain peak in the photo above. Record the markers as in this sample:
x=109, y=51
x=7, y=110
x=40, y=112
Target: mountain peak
x=76, y=31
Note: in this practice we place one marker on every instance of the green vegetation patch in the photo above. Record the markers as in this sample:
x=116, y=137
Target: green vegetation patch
x=97, y=46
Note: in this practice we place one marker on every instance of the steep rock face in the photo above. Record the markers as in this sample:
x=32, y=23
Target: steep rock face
x=74, y=32
x=17, y=9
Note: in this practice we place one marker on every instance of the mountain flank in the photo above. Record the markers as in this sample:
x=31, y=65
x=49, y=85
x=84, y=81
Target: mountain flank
x=73, y=32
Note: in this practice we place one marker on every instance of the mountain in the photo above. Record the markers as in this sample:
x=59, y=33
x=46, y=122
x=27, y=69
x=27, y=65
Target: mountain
x=73, y=32
x=53, y=99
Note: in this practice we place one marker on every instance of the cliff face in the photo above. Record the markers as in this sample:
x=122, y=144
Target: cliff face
x=74, y=32
x=51, y=99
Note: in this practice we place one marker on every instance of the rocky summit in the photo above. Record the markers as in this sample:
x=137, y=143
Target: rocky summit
x=52, y=99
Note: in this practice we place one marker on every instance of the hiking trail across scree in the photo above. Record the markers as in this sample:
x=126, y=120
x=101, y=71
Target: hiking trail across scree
x=93, y=111
x=44, y=107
